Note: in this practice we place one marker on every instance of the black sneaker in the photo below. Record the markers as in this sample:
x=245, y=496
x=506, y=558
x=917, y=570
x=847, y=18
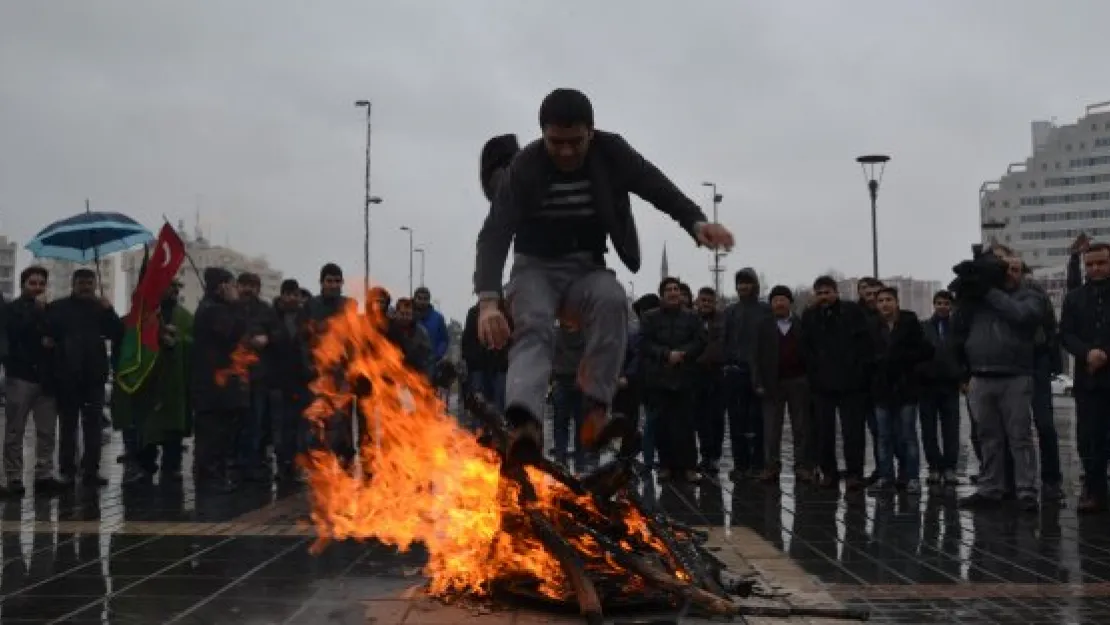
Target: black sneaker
x=525, y=437
x=1028, y=503
x=16, y=488
x=976, y=501
x=94, y=480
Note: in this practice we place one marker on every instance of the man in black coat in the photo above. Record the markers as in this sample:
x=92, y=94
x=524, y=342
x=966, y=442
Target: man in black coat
x=839, y=354
x=1085, y=334
x=561, y=199
x=221, y=395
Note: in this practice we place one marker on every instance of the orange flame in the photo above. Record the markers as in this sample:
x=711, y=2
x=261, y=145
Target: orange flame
x=424, y=479
x=242, y=359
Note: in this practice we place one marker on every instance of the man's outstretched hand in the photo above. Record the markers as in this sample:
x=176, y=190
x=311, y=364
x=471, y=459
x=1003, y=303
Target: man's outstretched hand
x=493, y=328
x=714, y=236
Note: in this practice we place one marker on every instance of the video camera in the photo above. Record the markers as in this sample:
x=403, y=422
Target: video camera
x=984, y=271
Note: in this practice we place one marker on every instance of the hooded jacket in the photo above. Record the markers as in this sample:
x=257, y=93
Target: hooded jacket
x=615, y=170
x=998, y=334
x=742, y=322
x=436, y=327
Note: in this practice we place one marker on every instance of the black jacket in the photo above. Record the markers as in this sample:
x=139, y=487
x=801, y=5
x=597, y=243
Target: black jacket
x=477, y=356
x=765, y=362
x=1085, y=325
x=218, y=329
x=838, y=347
x=898, y=355
x=261, y=320
x=665, y=330
x=615, y=171
x=284, y=356
x=943, y=369
x=81, y=328
x=27, y=359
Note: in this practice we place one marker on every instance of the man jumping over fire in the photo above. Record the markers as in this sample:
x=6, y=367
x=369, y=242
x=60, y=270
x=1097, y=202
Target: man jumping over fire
x=561, y=197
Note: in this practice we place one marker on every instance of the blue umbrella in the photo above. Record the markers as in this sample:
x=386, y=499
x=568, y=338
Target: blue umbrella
x=86, y=237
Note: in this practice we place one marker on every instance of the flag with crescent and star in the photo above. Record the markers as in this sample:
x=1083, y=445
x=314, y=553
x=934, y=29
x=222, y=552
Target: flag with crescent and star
x=140, y=345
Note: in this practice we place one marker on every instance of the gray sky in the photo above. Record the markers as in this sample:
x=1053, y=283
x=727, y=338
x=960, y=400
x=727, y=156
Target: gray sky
x=246, y=108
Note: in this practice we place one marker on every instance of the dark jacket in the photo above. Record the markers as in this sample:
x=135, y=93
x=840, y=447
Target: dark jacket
x=839, y=347
x=477, y=356
x=81, y=328
x=1046, y=340
x=313, y=321
x=3, y=328
x=261, y=320
x=712, y=358
x=615, y=171
x=218, y=329
x=943, y=369
x=28, y=359
x=414, y=343
x=743, y=320
x=997, y=336
x=1085, y=325
x=665, y=330
x=899, y=353
x=765, y=373
x=284, y=356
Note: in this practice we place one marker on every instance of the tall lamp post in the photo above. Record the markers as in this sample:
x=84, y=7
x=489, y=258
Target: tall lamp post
x=409, y=230
x=367, y=201
x=420, y=251
x=716, y=269
x=869, y=162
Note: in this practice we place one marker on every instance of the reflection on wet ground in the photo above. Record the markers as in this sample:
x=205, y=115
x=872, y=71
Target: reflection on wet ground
x=169, y=554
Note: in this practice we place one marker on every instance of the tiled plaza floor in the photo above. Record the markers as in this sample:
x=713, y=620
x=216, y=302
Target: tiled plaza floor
x=158, y=554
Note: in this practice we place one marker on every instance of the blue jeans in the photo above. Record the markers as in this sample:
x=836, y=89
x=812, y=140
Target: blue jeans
x=569, y=407
x=491, y=384
x=898, y=437
x=249, y=443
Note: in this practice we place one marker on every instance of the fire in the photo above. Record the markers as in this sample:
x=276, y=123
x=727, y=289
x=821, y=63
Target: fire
x=423, y=479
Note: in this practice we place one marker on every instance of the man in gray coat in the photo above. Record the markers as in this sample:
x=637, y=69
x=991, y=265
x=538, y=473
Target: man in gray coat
x=559, y=201
x=997, y=327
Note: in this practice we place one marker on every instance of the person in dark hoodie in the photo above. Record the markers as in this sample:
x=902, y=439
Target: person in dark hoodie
x=901, y=347
x=840, y=352
x=221, y=395
x=630, y=386
x=433, y=322
x=867, y=291
x=29, y=385
x=80, y=325
x=560, y=199
x=338, y=435
x=287, y=380
x=258, y=426
x=485, y=368
x=409, y=335
x=939, y=405
x=671, y=340
x=709, y=393
x=742, y=322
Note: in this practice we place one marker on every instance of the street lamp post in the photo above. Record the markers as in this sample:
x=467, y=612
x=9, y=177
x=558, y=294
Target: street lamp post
x=368, y=199
x=409, y=230
x=868, y=163
x=420, y=251
x=716, y=269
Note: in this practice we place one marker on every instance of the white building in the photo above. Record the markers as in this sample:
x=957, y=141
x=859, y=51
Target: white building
x=205, y=255
x=1040, y=205
x=8, y=275
x=59, y=283
x=913, y=294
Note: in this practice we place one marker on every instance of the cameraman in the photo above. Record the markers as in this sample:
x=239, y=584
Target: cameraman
x=996, y=325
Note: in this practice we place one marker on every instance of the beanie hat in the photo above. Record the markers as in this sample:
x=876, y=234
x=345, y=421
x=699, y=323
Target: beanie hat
x=290, y=285
x=783, y=291
x=215, y=277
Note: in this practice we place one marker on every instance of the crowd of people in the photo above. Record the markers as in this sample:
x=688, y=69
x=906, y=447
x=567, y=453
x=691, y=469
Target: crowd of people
x=61, y=360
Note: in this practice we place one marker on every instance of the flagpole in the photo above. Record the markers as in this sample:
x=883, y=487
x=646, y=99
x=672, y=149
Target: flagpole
x=189, y=257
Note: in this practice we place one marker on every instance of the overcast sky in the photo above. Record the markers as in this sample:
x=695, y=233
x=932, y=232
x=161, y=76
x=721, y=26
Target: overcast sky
x=245, y=110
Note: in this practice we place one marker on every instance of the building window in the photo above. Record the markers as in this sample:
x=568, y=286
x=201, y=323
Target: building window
x=1057, y=164
x=1044, y=166
x=1068, y=147
x=1019, y=185
x=1032, y=184
x=1094, y=126
x=991, y=204
x=1005, y=203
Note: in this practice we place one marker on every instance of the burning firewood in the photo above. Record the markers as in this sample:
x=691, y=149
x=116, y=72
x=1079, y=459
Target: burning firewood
x=488, y=525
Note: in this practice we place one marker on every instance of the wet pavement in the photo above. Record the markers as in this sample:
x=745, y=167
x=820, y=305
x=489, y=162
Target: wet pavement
x=170, y=554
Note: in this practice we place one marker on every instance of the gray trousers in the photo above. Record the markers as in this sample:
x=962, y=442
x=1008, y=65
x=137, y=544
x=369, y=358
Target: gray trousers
x=792, y=395
x=1002, y=410
x=26, y=398
x=542, y=290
